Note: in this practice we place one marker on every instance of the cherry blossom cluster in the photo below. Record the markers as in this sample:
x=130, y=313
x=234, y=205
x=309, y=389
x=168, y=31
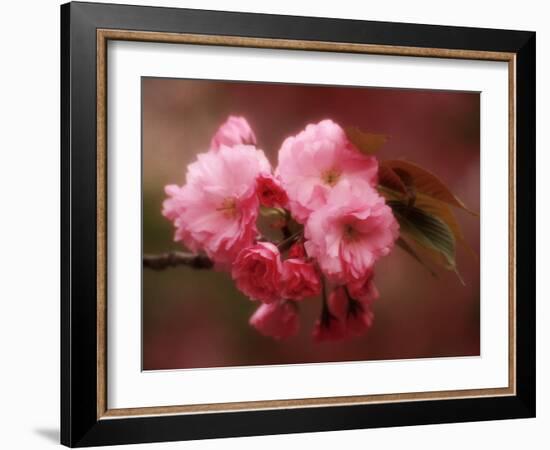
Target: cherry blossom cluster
x=334, y=225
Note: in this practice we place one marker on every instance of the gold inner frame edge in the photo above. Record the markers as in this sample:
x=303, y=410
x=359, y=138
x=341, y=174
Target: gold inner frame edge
x=103, y=36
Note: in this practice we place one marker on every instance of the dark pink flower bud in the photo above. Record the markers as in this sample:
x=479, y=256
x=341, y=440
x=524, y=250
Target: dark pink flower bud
x=270, y=192
x=297, y=251
x=329, y=330
x=300, y=279
x=363, y=289
x=257, y=272
x=278, y=320
x=344, y=317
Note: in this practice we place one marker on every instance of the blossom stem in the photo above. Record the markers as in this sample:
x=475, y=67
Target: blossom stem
x=326, y=316
x=286, y=243
x=286, y=232
x=172, y=259
x=353, y=305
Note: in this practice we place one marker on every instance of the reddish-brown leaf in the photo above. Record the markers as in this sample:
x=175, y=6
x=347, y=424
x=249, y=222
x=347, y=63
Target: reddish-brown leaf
x=426, y=182
x=367, y=143
x=388, y=178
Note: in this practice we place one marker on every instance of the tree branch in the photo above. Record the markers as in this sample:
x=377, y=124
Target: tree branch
x=174, y=258
x=165, y=260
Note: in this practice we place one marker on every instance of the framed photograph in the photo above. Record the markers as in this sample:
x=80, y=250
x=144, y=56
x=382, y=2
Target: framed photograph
x=276, y=224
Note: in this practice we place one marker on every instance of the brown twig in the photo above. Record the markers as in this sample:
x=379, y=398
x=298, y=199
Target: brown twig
x=173, y=259
x=286, y=243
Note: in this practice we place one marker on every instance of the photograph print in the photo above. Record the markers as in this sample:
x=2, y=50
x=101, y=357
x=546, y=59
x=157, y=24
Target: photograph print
x=300, y=224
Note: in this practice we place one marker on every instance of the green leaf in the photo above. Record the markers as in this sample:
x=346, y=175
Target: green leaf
x=366, y=143
x=427, y=230
x=273, y=213
x=402, y=243
x=389, y=194
x=444, y=212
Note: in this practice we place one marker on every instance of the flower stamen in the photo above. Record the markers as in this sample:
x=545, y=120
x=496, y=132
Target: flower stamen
x=350, y=233
x=229, y=208
x=331, y=176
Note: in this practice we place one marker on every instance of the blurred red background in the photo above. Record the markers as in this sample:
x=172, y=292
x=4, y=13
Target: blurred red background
x=197, y=319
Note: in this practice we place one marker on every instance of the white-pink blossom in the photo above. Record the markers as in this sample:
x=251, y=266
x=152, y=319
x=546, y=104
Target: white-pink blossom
x=216, y=210
x=350, y=233
x=318, y=159
x=234, y=131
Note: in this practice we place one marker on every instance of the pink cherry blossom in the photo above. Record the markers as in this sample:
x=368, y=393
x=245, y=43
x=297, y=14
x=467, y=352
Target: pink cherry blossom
x=234, y=133
x=331, y=329
x=300, y=279
x=235, y=130
x=364, y=289
x=350, y=233
x=359, y=319
x=257, y=272
x=318, y=159
x=338, y=302
x=278, y=320
x=297, y=250
x=270, y=191
x=216, y=210
x=343, y=317
x=331, y=326
x=358, y=316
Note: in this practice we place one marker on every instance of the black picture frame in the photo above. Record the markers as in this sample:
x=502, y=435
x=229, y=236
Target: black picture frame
x=80, y=425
